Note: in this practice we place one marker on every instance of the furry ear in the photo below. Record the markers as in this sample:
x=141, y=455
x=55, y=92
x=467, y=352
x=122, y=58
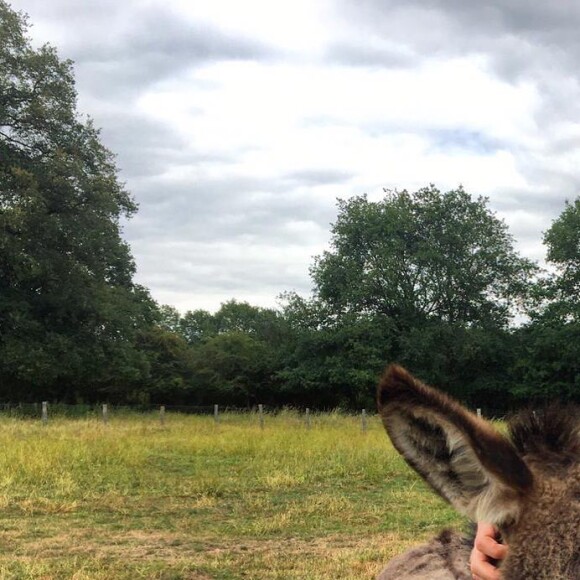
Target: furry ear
x=462, y=457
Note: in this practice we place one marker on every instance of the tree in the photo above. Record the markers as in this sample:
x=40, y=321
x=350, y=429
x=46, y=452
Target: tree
x=69, y=310
x=416, y=257
x=428, y=279
x=236, y=352
x=548, y=364
x=472, y=363
x=196, y=326
x=169, y=318
x=235, y=368
x=170, y=377
x=233, y=316
x=331, y=364
x=263, y=323
x=562, y=241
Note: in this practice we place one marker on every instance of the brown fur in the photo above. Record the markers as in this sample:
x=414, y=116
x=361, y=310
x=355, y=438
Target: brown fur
x=446, y=557
x=528, y=484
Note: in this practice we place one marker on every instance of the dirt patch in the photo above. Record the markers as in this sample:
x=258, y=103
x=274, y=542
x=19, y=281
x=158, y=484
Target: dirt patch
x=134, y=545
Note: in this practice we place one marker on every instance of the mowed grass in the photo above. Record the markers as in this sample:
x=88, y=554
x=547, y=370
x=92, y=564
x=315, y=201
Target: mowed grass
x=192, y=499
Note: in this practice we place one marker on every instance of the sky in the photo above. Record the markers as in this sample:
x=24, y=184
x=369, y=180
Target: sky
x=237, y=125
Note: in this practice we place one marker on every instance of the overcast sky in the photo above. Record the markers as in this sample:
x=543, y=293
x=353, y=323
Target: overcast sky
x=237, y=124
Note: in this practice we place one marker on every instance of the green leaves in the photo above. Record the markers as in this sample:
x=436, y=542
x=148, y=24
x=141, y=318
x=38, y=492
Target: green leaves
x=69, y=312
x=548, y=363
x=414, y=257
x=429, y=279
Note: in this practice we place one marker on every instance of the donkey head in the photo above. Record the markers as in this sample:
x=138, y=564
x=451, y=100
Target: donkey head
x=528, y=485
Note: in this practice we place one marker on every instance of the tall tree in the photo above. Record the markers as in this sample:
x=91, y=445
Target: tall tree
x=429, y=279
x=69, y=310
x=562, y=241
x=549, y=355
x=421, y=256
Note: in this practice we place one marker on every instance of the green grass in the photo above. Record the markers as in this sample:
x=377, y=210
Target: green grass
x=134, y=499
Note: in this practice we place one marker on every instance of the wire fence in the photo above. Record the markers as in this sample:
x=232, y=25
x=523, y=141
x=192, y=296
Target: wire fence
x=46, y=412
x=35, y=410
x=258, y=415
x=32, y=410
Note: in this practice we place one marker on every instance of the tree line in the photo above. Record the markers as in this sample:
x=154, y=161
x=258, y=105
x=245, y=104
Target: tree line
x=429, y=279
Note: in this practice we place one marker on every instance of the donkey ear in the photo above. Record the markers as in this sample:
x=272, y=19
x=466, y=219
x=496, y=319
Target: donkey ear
x=463, y=458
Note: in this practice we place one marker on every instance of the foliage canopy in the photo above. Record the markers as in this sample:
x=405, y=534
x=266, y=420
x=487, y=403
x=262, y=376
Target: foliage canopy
x=427, y=255
x=68, y=307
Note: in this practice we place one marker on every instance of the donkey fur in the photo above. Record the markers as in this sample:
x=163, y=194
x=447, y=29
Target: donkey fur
x=527, y=484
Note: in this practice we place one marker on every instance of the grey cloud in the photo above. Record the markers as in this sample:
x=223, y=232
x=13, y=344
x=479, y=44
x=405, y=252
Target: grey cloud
x=518, y=35
x=535, y=39
x=529, y=214
x=311, y=177
x=122, y=47
x=464, y=140
x=144, y=147
x=165, y=34
x=225, y=209
x=75, y=12
x=261, y=216
x=168, y=42
x=417, y=29
x=521, y=42
x=217, y=271
x=540, y=19
x=537, y=201
x=361, y=53
x=214, y=270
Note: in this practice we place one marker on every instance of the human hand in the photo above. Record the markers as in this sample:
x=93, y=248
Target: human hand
x=486, y=548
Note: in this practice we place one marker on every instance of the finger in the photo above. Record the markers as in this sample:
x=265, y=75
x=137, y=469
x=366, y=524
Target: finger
x=481, y=568
x=486, y=571
x=490, y=547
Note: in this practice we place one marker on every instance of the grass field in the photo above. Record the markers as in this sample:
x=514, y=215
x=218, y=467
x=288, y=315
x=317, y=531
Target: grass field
x=192, y=499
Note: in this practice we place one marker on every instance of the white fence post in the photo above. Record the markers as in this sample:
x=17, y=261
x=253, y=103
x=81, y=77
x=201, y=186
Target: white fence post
x=216, y=413
x=162, y=415
x=105, y=413
x=44, y=412
x=261, y=415
x=364, y=421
